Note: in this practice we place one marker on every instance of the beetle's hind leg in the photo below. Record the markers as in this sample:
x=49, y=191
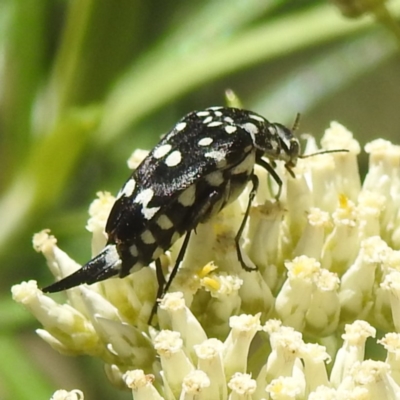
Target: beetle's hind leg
x=254, y=181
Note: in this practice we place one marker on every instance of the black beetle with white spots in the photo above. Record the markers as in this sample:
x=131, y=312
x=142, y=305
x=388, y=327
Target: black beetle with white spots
x=197, y=169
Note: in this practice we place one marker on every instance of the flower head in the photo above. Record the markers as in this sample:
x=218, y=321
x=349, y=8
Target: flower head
x=325, y=262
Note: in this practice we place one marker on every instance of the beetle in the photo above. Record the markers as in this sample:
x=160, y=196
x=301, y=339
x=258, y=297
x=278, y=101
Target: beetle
x=198, y=168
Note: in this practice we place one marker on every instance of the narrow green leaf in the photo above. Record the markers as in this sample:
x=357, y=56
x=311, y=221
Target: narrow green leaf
x=20, y=378
x=154, y=82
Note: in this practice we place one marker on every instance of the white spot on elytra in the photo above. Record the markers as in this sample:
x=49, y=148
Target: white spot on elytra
x=207, y=120
x=149, y=213
x=218, y=113
x=215, y=123
x=203, y=113
x=228, y=119
x=164, y=222
x=215, y=178
x=161, y=151
x=250, y=127
x=144, y=198
x=230, y=129
x=174, y=158
x=133, y=250
x=257, y=118
x=128, y=189
x=181, y=126
x=205, y=141
x=147, y=237
x=188, y=197
x=217, y=155
x=215, y=108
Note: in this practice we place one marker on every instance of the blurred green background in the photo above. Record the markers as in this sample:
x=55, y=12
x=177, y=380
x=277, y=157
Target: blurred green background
x=83, y=83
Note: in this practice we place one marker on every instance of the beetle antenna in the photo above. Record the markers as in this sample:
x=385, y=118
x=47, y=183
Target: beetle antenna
x=296, y=125
x=324, y=152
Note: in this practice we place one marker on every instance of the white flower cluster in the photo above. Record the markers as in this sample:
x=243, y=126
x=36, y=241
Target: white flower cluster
x=326, y=262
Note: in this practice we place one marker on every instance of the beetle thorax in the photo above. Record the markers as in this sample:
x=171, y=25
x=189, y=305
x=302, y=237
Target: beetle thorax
x=277, y=142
